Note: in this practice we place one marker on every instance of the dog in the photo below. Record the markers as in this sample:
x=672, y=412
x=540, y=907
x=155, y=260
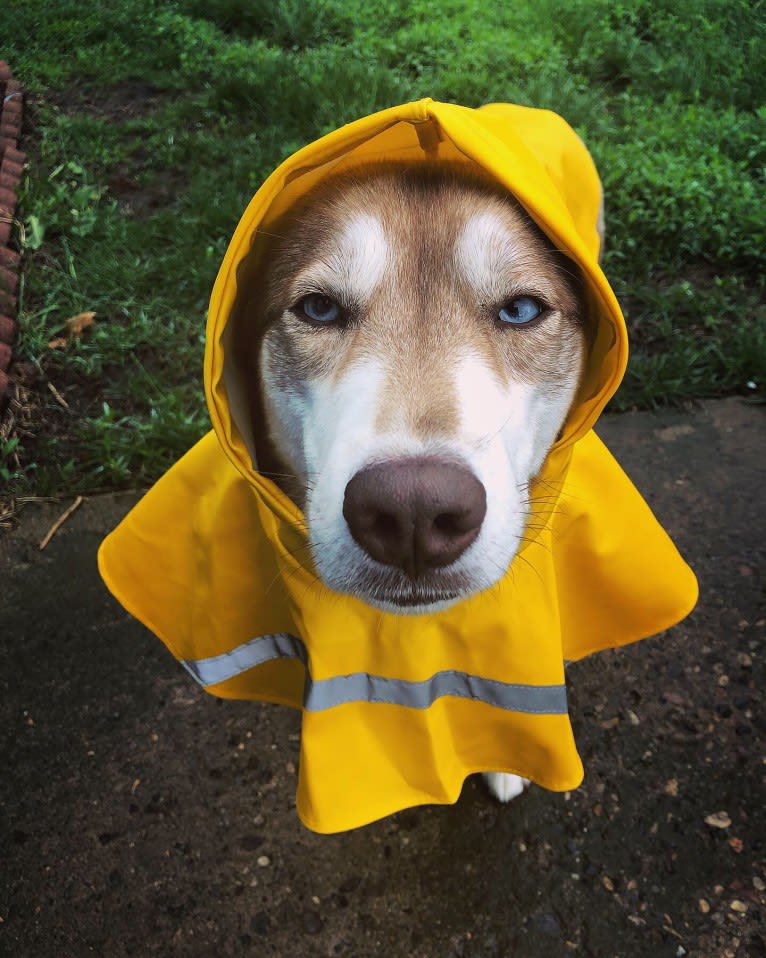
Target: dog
x=412, y=351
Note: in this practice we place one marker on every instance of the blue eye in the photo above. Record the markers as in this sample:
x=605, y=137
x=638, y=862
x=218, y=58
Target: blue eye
x=320, y=309
x=520, y=311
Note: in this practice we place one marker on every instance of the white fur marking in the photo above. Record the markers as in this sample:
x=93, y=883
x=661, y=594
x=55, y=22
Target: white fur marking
x=505, y=786
x=483, y=252
x=356, y=264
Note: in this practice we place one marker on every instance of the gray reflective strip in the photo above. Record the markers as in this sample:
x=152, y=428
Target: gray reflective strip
x=361, y=687
x=219, y=668
x=323, y=694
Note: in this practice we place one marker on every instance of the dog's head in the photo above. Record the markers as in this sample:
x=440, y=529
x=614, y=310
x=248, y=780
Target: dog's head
x=414, y=343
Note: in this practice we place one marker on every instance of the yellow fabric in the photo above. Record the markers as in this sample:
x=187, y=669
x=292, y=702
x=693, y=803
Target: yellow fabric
x=207, y=559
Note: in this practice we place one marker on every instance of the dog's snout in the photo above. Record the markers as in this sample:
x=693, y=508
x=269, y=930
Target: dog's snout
x=415, y=514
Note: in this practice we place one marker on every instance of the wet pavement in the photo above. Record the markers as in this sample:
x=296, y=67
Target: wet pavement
x=139, y=816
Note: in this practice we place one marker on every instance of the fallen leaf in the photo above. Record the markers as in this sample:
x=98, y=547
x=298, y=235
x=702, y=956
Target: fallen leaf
x=736, y=844
x=73, y=329
x=76, y=324
x=718, y=820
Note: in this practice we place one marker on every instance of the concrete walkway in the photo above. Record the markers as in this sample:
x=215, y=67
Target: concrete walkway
x=140, y=816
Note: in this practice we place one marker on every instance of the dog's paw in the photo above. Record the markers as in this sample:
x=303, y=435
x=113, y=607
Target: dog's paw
x=505, y=786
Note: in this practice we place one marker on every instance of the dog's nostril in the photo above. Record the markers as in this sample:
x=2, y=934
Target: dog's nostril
x=415, y=514
x=448, y=523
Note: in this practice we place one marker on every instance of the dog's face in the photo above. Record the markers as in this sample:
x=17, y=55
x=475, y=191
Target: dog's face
x=417, y=344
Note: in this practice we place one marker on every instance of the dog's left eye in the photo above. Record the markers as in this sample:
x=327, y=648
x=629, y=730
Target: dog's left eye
x=320, y=309
x=520, y=311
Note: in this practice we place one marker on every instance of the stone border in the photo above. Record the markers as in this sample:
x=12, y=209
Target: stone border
x=11, y=168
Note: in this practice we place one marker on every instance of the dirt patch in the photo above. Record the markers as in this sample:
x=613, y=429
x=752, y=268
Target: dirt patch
x=142, y=817
x=130, y=100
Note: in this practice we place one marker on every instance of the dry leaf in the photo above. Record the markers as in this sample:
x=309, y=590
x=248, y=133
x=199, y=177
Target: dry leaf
x=73, y=329
x=718, y=820
x=76, y=324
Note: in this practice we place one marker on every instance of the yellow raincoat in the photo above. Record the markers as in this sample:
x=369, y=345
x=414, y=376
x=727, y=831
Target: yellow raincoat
x=398, y=710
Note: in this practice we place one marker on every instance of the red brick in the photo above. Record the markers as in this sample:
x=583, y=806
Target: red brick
x=5, y=230
x=9, y=257
x=12, y=86
x=14, y=155
x=7, y=329
x=4, y=382
x=7, y=201
x=5, y=355
x=9, y=280
x=7, y=303
x=8, y=182
x=10, y=127
x=5, y=71
x=11, y=169
x=13, y=107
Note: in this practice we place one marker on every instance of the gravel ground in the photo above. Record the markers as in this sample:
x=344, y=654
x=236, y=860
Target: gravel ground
x=139, y=816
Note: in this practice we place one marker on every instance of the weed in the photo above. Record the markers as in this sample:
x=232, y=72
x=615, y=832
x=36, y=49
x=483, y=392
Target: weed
x=153, y=123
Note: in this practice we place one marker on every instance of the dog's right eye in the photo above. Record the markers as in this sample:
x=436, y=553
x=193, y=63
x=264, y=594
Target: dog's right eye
x=318, y=308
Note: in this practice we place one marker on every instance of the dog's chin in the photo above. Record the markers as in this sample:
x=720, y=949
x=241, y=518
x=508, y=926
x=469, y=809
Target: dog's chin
x=389, y=590
x=405, y=597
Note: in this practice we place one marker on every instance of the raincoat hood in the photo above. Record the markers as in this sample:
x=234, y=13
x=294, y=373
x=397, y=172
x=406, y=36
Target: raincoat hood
x=398, y=710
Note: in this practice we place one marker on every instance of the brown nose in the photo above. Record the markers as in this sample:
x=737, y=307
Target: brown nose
x=416, y=514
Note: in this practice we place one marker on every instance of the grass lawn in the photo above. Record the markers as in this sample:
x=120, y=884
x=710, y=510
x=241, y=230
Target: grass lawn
x=151, y=124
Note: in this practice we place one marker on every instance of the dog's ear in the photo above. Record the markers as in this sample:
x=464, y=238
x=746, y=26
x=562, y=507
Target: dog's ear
x=245, y=329
x=586, y=314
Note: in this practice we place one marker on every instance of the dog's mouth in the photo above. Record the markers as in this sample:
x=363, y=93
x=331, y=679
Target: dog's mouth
x=413, y=601
x=411, y=597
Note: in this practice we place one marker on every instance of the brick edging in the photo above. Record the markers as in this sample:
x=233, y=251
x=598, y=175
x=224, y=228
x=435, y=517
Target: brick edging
x=11, y=168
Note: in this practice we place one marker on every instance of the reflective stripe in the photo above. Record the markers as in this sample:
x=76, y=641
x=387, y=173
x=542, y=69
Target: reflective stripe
x=219, y=668
x=323, y=694
x=361, y=687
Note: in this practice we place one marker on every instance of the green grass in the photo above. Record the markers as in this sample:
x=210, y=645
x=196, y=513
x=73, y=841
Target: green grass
x=152, y=123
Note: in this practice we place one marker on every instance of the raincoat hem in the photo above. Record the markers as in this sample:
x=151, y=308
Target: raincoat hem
x=321, y=826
